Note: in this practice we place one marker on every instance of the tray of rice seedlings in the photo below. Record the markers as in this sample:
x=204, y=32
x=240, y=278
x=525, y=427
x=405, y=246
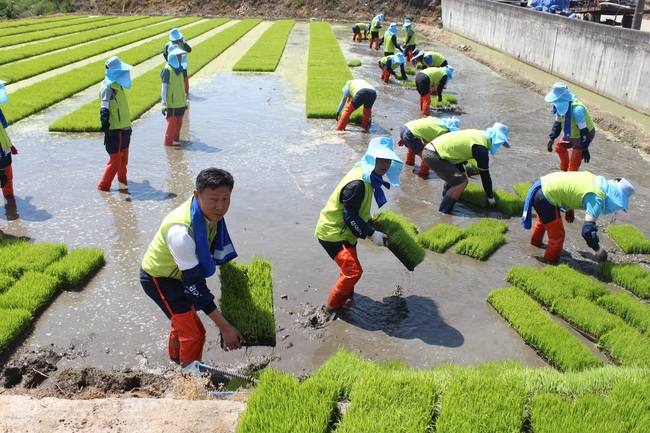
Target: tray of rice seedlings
x=409, y=84
x=475, y=402
x=354, y=63
x=32, y=292
x=552, y=341
x=410, y=70
x=6, y=281
x=629, y=238
x=506, y=202
x=36, y=257
x=247, y=300
x=265, y=54
x=587, y=317
x=628, y=275
x=402, y=240
x=280, y=403
x=627, y=345
x=482, y=238
x=628, y=308
x=76, y=268
x=541, y=287
x=580, y=284
x=14, y=323
x=522, y=188
x=440, y=237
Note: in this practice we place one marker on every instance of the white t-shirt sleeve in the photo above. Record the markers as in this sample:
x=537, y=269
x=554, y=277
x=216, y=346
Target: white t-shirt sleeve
x=182, y=247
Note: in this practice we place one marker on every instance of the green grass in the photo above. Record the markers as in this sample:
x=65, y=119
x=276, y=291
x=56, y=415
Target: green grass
x=354, y=63
x=247, y=300
x=74, y=269
x=629, y=238
x=508, y=203
x=628, y=275
x=36, y=257
x=522, y=188
x=265, y=54
x=327, y=72
x=629, y=309
x=440, y=237
x=32, y=292
x=14, y=322
x=24, y=22
x=145, y=92
x=89, y=23
x=482, y=238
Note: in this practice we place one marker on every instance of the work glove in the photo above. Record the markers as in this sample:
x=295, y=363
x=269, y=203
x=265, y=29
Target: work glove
x=3, y=178
x=586, y=156
x=602, y=254
x=104, y=116
x=379, y=238
x=492, y=203
x=163, y=110
x=590, y=235
x=569, y=216
x=549, y=145
x=555, y=130
x=585, y=140
x=14, y=151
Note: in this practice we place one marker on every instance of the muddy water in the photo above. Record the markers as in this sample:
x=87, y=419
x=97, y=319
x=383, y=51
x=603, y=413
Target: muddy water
x=285, y=167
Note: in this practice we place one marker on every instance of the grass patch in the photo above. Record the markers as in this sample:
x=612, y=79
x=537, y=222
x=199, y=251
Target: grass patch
x=629, y=238
x=482, y=238
x=14, y=322
x=401, y=237
x=628, y=275
x=76, y=268
x=410, y=70
x=554, y=342
x=327, y=72
x=32, y=292
x=522, y=188
x=265, y=54
x=627, y=345
x=247, y=300
x=36, y=257
x=52, y=30
x=629, y=309
x=146, y=88
x=440, y=237
x=508, y=203
x=354, y=63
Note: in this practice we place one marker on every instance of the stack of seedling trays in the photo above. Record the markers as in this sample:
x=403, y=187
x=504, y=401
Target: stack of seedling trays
x=247, y=300
x=401, y=237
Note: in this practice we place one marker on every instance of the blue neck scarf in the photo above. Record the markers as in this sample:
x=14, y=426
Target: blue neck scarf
x=221, y=251
x=377, y=182
x=567, y=122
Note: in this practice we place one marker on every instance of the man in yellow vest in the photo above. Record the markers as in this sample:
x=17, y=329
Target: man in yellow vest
x=375, y=25
x=573, y=126
x=357, y=93
x=173, y=95
x=115, y=120
x=389, y=41
x=6, y=150
x=388, y=64
x=357, y=29
x=417, y=133
x=190, y=243
x=346, y=217
x=427, y=59
x=410, y=42
x=431, y=81
x=448, y=154
x=564, y=192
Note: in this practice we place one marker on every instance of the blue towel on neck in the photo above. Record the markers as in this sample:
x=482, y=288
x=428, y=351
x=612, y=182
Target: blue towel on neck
x=221, y=251
x=567, y=122
x=3, y=120
x=377, y=182
x=527, y=215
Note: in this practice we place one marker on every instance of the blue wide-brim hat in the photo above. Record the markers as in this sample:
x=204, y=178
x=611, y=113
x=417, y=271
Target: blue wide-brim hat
x=115, y=64
x=618, y=193
x=382, y=147
x=175, y=35
x=392, y=29
x=559, y=93
x=407, y=24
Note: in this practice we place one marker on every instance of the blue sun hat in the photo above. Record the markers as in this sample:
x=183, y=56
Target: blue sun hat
x=407, y=24
x=451, y=123
x=398, y=58
x=380, y=17
x=117, y=72
x=450, y=72
x=416, y=54
x=392, y=29
x=498, y=135
x=173, y=61
x=560, y=96
x=175, y=35
x=617, y=194
x=381, y=147
x=3, y=93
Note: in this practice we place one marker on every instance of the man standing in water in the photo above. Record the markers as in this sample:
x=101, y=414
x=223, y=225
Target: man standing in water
x=173, y=95
x=191, y=242
x=115, y=121
x=345, y=217
x=6, y=150
x=176, y=39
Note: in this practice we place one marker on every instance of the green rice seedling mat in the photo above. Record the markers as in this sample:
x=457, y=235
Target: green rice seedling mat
x=247, y=300
x=87, y=23
x=482, y=238
x=629, y=238
x=631, y=276
x=508, y=203
x=354, y=63
x=402, y=240
x=265, y=54
x=522, y=188
x=440, y=237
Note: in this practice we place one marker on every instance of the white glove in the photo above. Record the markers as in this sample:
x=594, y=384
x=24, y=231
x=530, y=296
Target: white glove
x=492, y=203
x=379, y=238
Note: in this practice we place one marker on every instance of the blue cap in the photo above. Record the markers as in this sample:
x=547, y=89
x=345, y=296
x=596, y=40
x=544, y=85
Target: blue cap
x=398, y=58
x=392, y=29
x=407, y=23
x=382, y=147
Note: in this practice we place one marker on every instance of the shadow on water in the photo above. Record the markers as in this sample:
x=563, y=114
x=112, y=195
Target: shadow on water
x=144, y=191
x=18, y=208
x=411, y=317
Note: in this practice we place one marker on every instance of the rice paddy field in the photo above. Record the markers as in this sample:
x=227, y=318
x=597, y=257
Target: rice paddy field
x=534, y=346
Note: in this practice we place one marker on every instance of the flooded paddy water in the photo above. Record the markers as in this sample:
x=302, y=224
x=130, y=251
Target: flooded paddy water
x=285, y=166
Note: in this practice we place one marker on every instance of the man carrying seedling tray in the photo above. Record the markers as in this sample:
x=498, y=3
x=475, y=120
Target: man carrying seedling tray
x=191, y=242
x=345, y=217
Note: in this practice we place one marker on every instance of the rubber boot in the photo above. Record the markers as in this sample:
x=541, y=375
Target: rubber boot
x=447, y=205
x=174, y=346
x=425, y=105
x=345, y=117
x=372, y=41
x=366, y=120
x=377, y=44
x=424, y=168
x=385, y=75
x=445, y=188
x=349, y=275
x=563, y=153
x=555, y=231
x=8, y=189
x=539, y=231
x=410, y=157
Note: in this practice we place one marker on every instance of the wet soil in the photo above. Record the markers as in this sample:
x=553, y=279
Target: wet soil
x=285, y=167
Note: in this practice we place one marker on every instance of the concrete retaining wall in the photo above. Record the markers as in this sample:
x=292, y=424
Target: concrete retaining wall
x=611, y=61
